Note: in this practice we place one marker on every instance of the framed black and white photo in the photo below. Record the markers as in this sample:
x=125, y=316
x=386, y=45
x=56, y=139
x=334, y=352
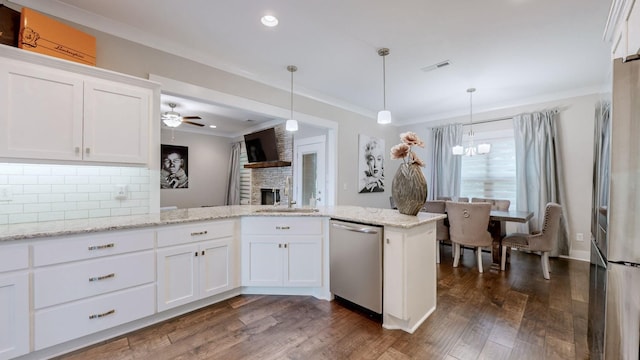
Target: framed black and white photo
x=370, y=164
x=174, y=167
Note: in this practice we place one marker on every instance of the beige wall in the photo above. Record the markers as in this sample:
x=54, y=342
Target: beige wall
x=576, y=121
x=207, y=170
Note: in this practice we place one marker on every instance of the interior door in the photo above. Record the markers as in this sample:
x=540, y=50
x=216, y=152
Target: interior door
x=310, y=171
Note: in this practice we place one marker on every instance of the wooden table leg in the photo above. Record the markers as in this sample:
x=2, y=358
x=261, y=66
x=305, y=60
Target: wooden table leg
x=497, y=230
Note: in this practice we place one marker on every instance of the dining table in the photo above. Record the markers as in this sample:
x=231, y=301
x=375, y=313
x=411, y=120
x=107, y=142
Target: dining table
x=497, y=228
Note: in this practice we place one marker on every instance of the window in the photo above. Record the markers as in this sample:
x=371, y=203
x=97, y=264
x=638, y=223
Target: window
x=245, y=177
x=492, y=175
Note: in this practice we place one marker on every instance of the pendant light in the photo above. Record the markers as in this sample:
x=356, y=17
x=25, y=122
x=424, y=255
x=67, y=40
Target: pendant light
x=292, y=124
x=384, y=115
x=471, y=150
x=171, y=118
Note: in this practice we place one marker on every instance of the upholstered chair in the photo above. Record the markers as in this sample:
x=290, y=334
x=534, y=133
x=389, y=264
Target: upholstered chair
x=468, y=223
x=496, y=204
x=542, y=241
x=442, y=226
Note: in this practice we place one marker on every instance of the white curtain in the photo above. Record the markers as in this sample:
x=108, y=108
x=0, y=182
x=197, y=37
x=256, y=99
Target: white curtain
x=446, y=173
x=232, y=196
x=539, y=171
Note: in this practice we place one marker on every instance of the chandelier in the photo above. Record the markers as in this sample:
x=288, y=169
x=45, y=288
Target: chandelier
x=471, y=150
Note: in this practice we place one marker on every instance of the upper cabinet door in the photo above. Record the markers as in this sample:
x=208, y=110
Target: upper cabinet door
x=116, y=122
x=40, y=112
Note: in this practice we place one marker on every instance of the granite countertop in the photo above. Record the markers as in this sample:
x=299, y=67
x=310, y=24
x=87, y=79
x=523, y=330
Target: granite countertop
x=373, y=216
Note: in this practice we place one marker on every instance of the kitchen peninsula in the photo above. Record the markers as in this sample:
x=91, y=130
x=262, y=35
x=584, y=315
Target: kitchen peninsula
x=148, y=268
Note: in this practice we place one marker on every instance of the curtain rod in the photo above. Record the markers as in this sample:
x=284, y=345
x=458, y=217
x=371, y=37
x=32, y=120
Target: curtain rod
x=555, y=111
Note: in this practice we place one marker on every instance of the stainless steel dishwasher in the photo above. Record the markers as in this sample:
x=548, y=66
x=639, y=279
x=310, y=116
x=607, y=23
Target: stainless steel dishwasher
x=355, y=259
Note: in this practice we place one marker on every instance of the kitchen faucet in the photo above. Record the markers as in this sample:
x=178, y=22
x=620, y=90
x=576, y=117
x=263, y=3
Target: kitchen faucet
x=288, y=191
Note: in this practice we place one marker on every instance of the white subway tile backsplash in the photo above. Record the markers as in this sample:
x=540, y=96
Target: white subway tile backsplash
x=37, y=189
x=37, y=208
x=22, y=218
x=24, y=179
x=46, y=192
x=66, y=188
x=51, y=216
x=76, y=179
x=76, y=214
x=95, y=213
x=64, y=169
x=51, y=179
x=71, y=197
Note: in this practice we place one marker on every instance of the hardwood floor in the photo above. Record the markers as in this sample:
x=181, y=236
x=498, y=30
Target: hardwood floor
x=514, y=314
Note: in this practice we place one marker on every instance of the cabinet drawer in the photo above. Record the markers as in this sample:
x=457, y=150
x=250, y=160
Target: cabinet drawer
x=182, y=234
x=62, y=283
x=66, y=322
x=14, y=257
x=282, y=225
x=57, y=250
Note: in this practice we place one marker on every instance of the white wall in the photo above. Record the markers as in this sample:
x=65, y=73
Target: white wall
x=208, y=167
x=576, y=121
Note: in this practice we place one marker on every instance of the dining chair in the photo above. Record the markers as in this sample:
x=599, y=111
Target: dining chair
x=542, y=241
x=468, y=223
x=496, y=204
x=442, y=226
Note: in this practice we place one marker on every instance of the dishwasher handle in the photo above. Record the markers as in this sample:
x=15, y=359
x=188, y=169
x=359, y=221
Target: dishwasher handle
x=355, y=228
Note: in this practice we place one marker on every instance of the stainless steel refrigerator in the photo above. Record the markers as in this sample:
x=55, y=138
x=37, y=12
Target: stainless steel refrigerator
x=614, y=299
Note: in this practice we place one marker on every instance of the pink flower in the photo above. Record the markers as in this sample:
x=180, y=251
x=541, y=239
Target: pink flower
x=403, y=150
x=400, y=151
x=410, y=138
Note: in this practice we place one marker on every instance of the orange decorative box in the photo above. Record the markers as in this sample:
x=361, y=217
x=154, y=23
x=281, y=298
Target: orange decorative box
x=44, y=35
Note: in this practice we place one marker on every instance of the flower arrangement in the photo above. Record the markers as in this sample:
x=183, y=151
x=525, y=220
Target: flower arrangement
x=403, y=150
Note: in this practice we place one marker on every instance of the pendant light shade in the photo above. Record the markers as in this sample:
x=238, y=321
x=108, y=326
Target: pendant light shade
x=292, y=124
x=471, y=150
x=171, y=118
x=384, y=115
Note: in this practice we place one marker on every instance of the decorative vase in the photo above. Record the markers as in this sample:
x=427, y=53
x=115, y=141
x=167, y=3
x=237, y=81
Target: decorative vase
x=409, y=189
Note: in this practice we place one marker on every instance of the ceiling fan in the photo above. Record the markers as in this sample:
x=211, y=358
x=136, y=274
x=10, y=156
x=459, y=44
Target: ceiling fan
x=174, y=119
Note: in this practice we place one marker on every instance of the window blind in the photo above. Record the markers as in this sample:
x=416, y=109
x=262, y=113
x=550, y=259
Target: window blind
x=492, y=175
x=245, y=177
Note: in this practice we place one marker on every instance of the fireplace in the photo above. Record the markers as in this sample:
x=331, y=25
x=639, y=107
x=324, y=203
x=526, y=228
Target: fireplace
x=270, y=196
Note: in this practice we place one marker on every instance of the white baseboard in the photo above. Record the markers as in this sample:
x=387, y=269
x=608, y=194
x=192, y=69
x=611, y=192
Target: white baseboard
x=580, y=255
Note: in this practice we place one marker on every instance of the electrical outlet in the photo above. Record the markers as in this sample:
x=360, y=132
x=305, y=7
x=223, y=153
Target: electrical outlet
x=5, y=193
x=579, y=237
x=120, y=192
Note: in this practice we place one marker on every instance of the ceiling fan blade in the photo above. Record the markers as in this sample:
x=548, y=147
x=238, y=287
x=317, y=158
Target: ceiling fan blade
x=191, y=122
x=191, y=117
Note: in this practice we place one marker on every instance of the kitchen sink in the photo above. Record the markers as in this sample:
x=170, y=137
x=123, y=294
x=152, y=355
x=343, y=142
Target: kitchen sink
x=287, y=210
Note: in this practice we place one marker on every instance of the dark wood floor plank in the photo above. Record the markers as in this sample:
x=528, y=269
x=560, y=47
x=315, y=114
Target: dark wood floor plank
x=515, y=314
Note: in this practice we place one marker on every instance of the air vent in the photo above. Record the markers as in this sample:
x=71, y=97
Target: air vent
x=439, y=65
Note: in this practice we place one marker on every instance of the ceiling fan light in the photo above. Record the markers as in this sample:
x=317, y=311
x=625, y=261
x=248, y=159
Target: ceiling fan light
x=384, y=117
x=291, y=125
x=171, y=119
x=457, y=150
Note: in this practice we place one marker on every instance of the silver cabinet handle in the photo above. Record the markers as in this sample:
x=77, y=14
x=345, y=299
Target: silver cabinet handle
x=77, y=149
x=103, y=277
x=97, y=316
x=283, y=227
x=87, y=150
x=199, y=233
x=102, y=247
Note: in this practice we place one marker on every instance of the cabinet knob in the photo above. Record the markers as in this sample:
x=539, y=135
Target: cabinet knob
x=77, y=150
x=87, y=150
x=388, y=241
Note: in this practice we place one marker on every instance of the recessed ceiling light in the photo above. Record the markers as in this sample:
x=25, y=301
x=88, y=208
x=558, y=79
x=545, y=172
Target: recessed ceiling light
x=212, y=126
x=269, y=20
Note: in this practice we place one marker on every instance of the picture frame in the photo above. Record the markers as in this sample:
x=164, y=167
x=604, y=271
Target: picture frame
x=371, y=158
x=174, y=170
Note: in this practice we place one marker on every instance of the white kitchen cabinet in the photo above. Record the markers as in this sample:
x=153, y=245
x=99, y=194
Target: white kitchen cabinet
x=202, y=262
x=409, y=278
x=633, y=30
x=91, y=283
x=14, y=301
x=57, y=114
x=623, y=29
x=282, y=251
